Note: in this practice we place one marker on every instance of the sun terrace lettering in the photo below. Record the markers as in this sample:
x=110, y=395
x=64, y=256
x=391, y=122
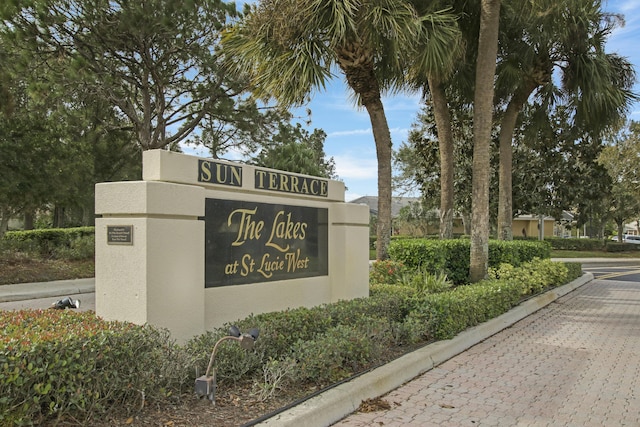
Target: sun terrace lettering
x=286, y=183
x=219, y=173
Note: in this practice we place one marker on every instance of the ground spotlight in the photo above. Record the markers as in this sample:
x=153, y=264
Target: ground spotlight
x=66, y=303
x=206, y=384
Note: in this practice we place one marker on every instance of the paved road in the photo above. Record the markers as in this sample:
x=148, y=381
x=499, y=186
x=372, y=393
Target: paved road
x=625, y=272
x=87, y=302
x=573, y=363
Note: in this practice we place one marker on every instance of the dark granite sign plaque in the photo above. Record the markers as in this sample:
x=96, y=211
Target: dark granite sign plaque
x=120, y=234
x=250, y=242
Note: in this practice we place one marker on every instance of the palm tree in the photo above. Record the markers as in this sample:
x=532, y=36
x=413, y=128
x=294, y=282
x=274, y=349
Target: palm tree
x=435, y=71
x=569, y=35
x=482, y=123
x=289, y=48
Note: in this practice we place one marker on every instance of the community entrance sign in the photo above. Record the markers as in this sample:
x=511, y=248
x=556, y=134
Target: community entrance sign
x=201, y=242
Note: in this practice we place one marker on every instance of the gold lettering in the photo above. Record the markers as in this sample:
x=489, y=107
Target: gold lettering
x=294, y=184
x=221, y=173
x=248, y=229
x=314, y=186
x=295, y=261
x=260, y=178
x=323, y=188
x=284, y=183
x=305, y=188
x=267, y=266
x=273, y=181
x=247, y=265
x=237, y=175
x=275, y=233
x=205, y=171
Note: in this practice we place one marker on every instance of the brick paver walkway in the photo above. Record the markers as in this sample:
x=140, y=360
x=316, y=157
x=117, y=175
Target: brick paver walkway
x=576, y=363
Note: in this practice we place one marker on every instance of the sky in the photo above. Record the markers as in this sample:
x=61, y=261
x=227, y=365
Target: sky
x=350, y=139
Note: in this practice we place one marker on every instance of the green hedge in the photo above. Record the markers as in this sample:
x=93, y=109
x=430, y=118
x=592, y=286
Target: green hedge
x=67, y=365
x=452, y=256
x=449, y=313
x=55, y=365
x=621, y=247
x=49, y=242
x=574, y=244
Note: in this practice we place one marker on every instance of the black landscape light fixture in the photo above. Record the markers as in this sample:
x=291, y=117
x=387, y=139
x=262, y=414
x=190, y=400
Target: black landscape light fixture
x=206, y=384
x=66, y=303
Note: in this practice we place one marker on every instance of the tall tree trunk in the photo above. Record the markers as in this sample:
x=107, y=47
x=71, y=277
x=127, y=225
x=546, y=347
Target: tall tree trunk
x=482, y=121
x=28, y=220
x=382, y=138
x=445, y=145
x=58, y=217
x=4, y=222
x=505, y=198
x=356, y=61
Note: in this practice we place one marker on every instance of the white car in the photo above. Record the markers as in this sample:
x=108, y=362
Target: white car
x=628, y=238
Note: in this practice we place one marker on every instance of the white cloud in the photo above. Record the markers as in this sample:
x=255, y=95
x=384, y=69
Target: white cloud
x=350, y=132
x=353, y=167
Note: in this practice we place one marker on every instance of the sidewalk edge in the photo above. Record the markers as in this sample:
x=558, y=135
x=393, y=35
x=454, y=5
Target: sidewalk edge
x=21, y=292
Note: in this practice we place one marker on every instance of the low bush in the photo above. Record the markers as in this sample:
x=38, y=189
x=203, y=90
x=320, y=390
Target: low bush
x=67, y=365
x=333, y=355
x=449, y=313
x=621, y=247
x=425, y=282
x=451, y=257
x=534, y=276
x=574, y=270
x=574, y=244
x=387, y=272
x=52, y=242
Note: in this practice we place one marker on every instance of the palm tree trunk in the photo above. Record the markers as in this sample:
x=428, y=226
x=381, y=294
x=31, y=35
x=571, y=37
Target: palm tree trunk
x=357, y=64
x=482, y=121
x=382, y=138
x=505, y=198
x=445, y=144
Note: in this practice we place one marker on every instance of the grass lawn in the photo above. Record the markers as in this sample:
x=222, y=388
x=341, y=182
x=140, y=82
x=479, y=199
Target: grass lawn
x=594, y=254
x=571, y=254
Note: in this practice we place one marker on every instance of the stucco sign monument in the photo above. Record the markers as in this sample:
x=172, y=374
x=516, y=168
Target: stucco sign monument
x=200, y=242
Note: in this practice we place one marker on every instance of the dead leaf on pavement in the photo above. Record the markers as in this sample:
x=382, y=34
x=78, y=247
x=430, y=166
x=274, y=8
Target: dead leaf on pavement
x=373, y=405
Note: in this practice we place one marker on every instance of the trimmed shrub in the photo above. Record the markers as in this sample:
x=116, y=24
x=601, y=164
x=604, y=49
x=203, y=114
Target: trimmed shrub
x=414, y=253
x=280, y=331
x=451, y=257
x=449, y=313
x=333, y=355
x=62, y=364
x=574, y=270
x=48, y=242
x=574, y=244
x=387, y=272
x=534, y=276
x=621, y=247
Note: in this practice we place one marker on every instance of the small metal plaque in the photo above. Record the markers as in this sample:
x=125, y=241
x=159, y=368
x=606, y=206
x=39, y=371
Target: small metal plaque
x=120, y=234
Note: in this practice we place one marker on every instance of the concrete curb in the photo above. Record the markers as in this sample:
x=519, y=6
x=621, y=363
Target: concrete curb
x=21, y=292
x=338, y=402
